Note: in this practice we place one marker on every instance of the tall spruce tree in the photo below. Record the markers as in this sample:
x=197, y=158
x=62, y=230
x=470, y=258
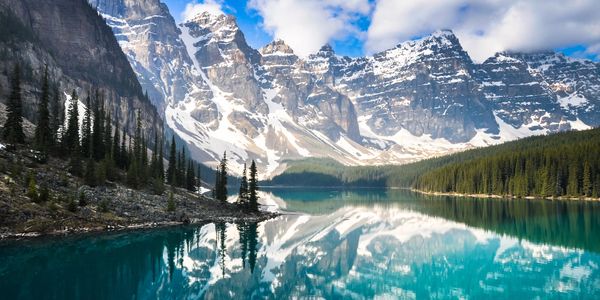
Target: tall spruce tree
x=107, y=144
x=222, y=186
x=13, y=127
x=190, y=177
x=98, y=127
x=216, y=188
x=124, y=157
x=116, y=151
x=253, y=188
x=172, y=168
x=161, y=164
x=55, y=119
x=154, y=172
x=71, y=136
x=243, y=194
x=586, y=182
x=86, y=131
x=43, y=134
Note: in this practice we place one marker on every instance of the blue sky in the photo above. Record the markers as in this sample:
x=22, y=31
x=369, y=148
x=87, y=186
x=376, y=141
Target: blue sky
x=362, y=27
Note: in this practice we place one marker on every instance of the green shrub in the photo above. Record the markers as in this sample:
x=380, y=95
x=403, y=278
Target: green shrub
x=44, y=194
x=71, y=205
x=104, y=206
x=82, y=200
x=32, y=190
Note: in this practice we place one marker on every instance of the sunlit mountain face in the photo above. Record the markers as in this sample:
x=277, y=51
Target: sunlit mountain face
x=335, y=244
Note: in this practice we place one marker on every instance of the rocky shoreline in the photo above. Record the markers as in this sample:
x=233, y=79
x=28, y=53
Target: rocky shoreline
x=72, y=207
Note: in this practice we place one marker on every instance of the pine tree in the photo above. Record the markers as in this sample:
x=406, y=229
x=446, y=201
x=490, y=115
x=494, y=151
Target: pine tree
x=182, y=168
x=573, y=181
x=13, y=127
x=190, y=177
x=243, y=194
x=107, y=144
x=253, y=188
x=586, y=189
x=172, y=168
x=154, y=172
x=124, y=158
x=222, y=186
x=161, y=164
x=116, y=151
x=98, y=128
x=215, y=190
x=71, y=137
x=86, y=132
x=55, y=120
x=43, y=135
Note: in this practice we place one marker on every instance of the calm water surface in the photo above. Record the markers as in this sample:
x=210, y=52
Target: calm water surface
x=357, y=244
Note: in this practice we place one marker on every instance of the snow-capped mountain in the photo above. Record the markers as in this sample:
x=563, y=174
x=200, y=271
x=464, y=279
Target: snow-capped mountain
x=419, y=99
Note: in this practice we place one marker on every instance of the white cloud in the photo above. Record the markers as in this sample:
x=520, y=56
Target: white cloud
x=487, y=26
x=307, y=25
x=192, y=9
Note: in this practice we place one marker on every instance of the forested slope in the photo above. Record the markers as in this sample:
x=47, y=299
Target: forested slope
x=563, y=164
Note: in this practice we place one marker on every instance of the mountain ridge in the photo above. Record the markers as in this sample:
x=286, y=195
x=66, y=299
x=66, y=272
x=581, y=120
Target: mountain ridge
x=419, y=99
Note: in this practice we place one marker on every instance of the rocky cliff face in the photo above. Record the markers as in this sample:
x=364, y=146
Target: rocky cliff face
x=424, y=87
x=147, y=33
x=81, y=54
x=419, y=99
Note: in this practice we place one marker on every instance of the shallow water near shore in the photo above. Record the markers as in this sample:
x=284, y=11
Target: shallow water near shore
x=329, y=243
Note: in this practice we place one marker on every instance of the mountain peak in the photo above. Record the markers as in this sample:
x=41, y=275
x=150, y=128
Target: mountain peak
x=215, y=21
x=448, y=33
x=326, y=50
x=277, y=47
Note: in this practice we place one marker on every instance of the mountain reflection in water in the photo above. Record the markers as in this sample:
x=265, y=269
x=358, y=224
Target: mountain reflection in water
x=335, y=244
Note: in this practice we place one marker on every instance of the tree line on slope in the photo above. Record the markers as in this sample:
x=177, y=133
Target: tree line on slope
x=96, y=152
x=566, y=164
x=108, y=155
x=562, y=164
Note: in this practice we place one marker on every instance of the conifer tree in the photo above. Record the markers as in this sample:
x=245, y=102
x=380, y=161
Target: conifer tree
x=572, y=183
x=43, y=135
x=154, y=172
x=217, y=187
x=172, y=168
x=243, y=194
x=71, y=137
x=586, y=188
x=86, y=131
x=55, y=120
x=161, y=164
x=253, y=188
x=124, y=157
x=98, y=127
x=190, y=177
x=116, y=151
x=107, y=144
x=13, y=127
x=222, y=179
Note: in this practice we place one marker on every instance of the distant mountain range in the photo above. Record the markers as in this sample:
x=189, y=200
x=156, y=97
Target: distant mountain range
x=420, y=99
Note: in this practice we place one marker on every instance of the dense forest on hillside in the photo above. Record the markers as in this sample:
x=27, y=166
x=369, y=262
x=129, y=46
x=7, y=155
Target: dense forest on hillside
x=564, y=164
x=555, y=165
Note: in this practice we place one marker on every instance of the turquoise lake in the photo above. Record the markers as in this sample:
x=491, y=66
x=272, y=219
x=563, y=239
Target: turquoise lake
x=330, y=244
